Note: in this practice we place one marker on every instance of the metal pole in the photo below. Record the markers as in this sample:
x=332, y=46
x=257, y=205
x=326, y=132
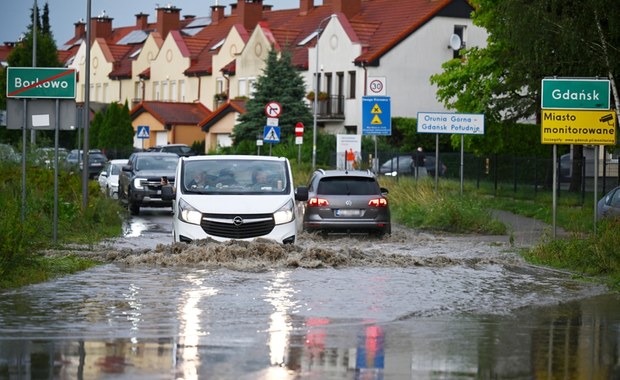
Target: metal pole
x=56, y=133
x=554, y=206
x=24, y=143
x=86, y=118
x=462, y=171
x=35, y=18
x=596, y=162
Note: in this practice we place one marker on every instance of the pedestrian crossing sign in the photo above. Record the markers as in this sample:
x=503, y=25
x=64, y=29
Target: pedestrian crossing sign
x=271, y=134
x=143, y=132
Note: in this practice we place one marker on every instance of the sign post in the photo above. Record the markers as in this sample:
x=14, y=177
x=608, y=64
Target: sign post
x=576, y=111
x=34, y=82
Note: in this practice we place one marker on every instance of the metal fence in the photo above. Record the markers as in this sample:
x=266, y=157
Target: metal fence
x=509, y=172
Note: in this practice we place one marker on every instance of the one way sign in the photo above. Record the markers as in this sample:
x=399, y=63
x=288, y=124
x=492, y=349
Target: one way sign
x=143, y=132
x=271, y=134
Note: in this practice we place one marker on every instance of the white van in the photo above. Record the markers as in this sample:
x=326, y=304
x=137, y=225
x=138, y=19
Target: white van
x=226, y=197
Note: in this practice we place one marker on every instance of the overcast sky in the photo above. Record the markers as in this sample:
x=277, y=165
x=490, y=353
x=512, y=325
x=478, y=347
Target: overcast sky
x=15, y=14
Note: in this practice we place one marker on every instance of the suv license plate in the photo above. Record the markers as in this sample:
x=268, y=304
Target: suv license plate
x=346, y=212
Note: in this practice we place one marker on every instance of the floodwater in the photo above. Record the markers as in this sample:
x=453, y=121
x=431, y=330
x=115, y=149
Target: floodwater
x=410, y=306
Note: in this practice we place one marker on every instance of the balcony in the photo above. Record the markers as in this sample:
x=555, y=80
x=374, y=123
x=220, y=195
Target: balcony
x=331, y=108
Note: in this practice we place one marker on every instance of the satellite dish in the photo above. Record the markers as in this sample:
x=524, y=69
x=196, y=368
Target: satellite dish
x=455, y=42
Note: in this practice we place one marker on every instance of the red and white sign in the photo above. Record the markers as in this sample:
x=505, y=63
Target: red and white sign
x=299, y=129
x=273, y=109
x=376, y=86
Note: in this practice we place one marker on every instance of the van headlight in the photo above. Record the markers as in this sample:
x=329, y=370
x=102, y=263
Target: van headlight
x=189, y=214
x=285, y=214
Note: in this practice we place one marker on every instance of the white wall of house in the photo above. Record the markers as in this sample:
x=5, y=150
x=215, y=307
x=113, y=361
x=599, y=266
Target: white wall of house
x=408, y=67
x=217, y=83
x=167, y=72
x=143, y=61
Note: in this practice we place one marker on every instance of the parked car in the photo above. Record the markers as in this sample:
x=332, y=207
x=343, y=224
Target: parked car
x=108, y=178
x=44, y=157
x=140, y=181
x=403, y=165
x=226, y=197
x=609, y=205
x=96, y=161
x=345, y=201
x=181, y=150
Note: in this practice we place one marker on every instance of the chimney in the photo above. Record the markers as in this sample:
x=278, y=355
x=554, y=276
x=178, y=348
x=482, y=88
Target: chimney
x=349, y=7
x=250, y=12
x=217, y=14
x=168, y=19
x=142, y=21
x=101, y=27
x=305, y=6
x=80, y=29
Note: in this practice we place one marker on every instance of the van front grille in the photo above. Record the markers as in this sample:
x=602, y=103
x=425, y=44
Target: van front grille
x=237, y=226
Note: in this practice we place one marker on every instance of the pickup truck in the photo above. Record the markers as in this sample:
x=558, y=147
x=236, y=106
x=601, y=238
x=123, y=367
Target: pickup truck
x=140, y=181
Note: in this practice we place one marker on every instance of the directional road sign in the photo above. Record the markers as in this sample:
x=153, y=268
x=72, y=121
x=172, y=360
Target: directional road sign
x=271, y=134
x=36, y=82
x=453, y=123
x=376, y=115
x=577, y=94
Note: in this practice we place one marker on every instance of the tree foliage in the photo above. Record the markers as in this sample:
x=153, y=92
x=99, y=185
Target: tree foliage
x=111, y=129
x=528, y=41
x=281, y=83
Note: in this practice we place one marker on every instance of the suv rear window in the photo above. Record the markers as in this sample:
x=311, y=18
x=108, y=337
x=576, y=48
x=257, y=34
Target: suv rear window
x=348, y=186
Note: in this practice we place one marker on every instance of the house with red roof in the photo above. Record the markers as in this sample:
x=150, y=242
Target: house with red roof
x=169, y=122
x=340, y=47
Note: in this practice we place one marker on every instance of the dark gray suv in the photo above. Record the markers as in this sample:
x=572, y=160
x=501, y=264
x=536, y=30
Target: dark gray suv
x=345, y=201
x=140, y=181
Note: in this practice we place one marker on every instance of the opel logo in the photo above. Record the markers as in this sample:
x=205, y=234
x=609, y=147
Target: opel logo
x=237, y=221
x=348, y=203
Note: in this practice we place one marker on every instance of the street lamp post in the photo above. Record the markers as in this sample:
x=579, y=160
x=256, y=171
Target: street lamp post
x=86, y=110
x=316, y=89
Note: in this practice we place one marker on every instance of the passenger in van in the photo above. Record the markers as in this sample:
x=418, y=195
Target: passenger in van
x=260, y=179
x=226, y=178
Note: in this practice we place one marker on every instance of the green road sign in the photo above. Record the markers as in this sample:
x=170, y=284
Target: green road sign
x=37, y=82
x=576, y=94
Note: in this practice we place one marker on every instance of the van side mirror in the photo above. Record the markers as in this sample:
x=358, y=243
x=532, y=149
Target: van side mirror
x=301, y=193
x=167, y=193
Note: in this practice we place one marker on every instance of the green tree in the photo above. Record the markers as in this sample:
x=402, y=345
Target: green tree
x=116, y=132
x=528, y=40
x=281, y=83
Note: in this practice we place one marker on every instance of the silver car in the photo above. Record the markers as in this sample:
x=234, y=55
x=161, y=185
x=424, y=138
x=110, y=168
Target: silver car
x=609, y=205
x=345, y=201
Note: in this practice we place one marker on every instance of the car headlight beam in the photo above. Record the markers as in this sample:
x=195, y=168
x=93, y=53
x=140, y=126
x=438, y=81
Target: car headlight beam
x=189, y=214
x=285, y=214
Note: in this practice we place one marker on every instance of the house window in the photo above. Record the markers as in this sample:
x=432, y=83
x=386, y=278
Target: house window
x=173, y=91
x=328, y=83
x=164, y=91
x=182, y=90
x=97, y=91
x=219, y=86
x=243, y=87
x=340, y=83
x=252, y=86
x=155, y=90
x=137, y=90
x=351, y=84
x=459, y=30
x=105, y=93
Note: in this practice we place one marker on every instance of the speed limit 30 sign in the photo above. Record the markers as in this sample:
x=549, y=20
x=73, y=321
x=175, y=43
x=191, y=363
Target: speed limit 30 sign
x=376, y=86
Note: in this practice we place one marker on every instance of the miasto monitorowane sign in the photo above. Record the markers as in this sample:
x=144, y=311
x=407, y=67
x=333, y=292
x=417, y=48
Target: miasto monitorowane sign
x=37, y=82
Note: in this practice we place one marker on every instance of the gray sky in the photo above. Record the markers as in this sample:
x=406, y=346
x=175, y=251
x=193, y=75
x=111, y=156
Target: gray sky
x=15, y=14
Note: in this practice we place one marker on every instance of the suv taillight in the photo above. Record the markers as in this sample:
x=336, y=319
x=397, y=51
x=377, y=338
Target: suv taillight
x=377, y=202
x=317, y=202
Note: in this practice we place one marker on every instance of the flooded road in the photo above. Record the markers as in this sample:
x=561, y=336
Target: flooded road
x=411, y=306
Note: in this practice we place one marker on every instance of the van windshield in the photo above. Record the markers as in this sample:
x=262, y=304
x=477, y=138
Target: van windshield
x=235, y=176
